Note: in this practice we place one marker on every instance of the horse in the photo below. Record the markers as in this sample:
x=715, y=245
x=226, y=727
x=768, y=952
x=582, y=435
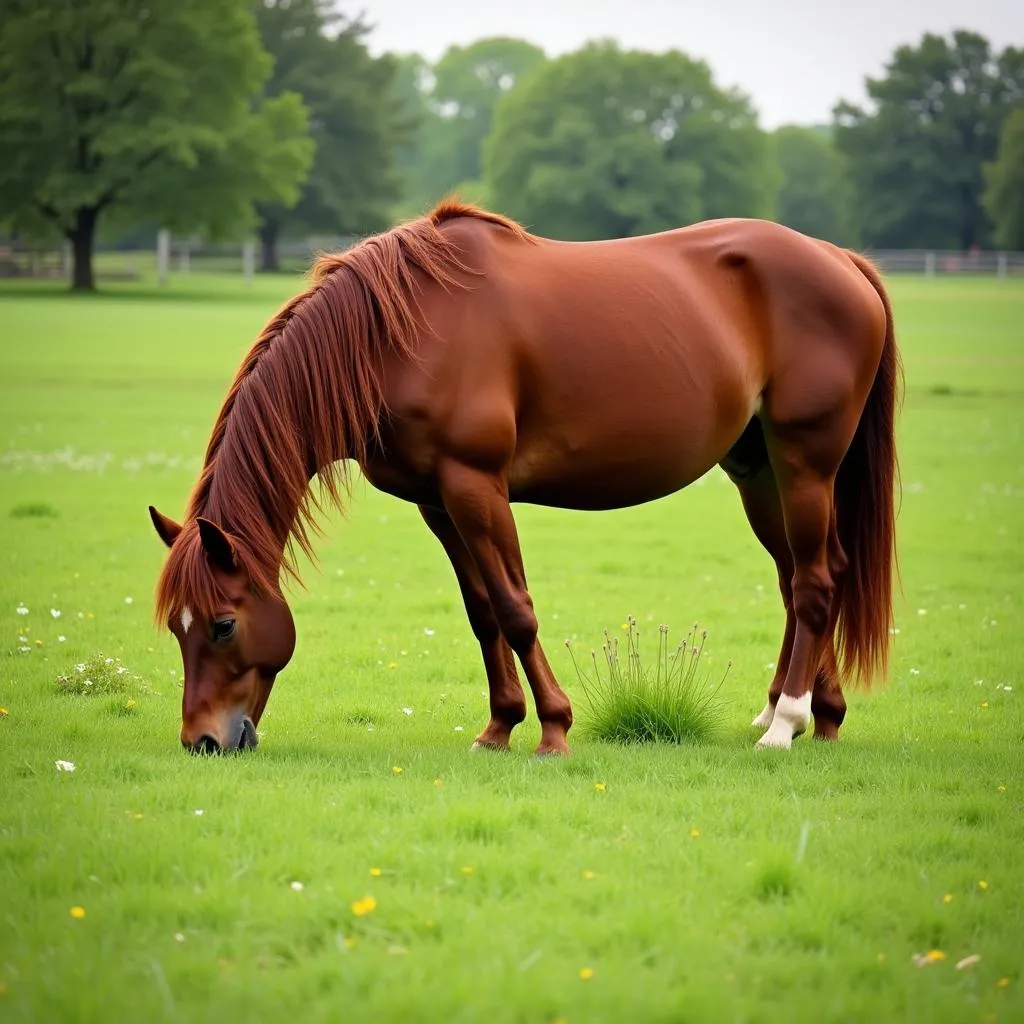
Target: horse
x=464, y=364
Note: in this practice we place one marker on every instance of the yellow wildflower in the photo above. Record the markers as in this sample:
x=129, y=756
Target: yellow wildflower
x=77, y=912
x=467, y=870
x=1003, y=982
x=695, y=833
x=438, y=783
x=600, y=787
x=586, y=973
x=375, y=872
x=397, y=770
x=948, y=898
x=392, y=664
x=982, y=884
x=936, y=955
x=4, y=712
x=588, y=875
x=365, y=906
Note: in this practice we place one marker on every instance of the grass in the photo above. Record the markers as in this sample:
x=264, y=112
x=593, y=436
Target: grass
x=633, y=701
x=706, y=882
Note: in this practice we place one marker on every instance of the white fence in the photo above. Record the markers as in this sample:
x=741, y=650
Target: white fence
x=174, y=256
x=934, y=263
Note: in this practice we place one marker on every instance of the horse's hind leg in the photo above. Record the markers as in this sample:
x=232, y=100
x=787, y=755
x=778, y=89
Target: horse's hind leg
x=749, y=468
x=508, y=703
x=805, y=452
x=764, y=513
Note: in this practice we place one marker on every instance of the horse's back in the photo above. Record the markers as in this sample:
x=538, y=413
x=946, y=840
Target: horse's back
x=612, y=372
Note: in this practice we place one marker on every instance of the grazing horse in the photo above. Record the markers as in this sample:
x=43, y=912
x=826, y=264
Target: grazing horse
x=465, y=364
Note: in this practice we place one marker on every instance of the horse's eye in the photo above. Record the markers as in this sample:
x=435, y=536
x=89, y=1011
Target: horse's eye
x=222, y=630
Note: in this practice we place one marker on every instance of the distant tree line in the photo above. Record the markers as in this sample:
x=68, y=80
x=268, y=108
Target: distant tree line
x=272, y=117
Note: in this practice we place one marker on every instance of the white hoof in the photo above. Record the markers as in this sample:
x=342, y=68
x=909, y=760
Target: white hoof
x=764, y=719
x=792, y=716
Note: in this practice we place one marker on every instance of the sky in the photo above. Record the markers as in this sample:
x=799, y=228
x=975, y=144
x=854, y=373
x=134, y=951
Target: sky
x=795, y=59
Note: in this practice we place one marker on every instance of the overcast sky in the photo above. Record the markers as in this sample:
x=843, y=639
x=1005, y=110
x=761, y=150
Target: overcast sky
x=795, y=58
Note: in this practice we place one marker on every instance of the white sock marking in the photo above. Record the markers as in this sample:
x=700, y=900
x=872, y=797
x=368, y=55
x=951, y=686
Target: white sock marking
x=764, y=719
x=186, y=618
x=792, y=716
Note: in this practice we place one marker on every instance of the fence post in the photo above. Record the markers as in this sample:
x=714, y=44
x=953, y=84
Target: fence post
x=929, y=264
x=248, y=261
x=1001, y=265
x=68, y=262
x=163, y=255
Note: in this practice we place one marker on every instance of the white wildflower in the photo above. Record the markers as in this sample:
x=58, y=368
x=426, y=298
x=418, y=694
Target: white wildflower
x=65, y=766
x=406, y=711
x=55, y=612
x=21, y=610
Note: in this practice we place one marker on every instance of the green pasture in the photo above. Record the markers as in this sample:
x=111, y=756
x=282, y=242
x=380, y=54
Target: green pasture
x=709, y=883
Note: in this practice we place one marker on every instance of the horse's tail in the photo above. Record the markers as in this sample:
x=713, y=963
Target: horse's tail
x=866, y=515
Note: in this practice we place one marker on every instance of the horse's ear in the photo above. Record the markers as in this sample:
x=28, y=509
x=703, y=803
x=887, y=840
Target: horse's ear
x=216, y=545
x=167, y=529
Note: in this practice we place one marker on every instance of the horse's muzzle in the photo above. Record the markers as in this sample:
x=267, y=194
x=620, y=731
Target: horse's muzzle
x=242, y=736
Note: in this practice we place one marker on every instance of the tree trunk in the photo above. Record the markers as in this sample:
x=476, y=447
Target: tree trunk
x=269, y=231
x=82, y=236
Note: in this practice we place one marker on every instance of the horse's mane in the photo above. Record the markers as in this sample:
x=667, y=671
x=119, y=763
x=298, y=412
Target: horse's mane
x=308, y=395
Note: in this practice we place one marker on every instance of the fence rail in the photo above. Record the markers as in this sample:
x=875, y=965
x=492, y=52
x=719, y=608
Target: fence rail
x=183, y=256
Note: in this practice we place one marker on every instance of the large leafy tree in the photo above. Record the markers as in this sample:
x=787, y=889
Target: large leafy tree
x=356, y=120
x=142, y=109
x=814, y=196
x=917, y=155
x=605, y=143
x=1004, y=192
x=453, y=104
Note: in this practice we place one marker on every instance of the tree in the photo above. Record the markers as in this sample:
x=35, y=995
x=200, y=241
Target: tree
x=1004, y=192
x=453, y=103
x=607, y=143
x=917, y=157
x=139, y=108
x=813, y=193
x=357, y=122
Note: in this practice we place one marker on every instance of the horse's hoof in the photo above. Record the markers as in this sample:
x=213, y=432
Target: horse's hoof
x=487, y=745
x=777, y=739
x=551, y=751
x=764, y=720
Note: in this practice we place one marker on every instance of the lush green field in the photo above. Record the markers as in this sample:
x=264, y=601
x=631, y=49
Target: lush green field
x=711, y=883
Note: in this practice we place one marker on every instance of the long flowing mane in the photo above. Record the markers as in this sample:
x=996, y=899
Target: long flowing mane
x=308, y=396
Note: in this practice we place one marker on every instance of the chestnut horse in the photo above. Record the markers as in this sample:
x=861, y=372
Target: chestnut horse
x=465, y=364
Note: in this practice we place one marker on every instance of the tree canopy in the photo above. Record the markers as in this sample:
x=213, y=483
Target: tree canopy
x=356, y=121
x=1004, y=192
x=112, y=105
x=605, y=142
x=814, y=193
x=917, y=157
x=453, y=102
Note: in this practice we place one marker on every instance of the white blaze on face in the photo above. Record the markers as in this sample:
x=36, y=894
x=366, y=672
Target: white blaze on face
x=186, y=618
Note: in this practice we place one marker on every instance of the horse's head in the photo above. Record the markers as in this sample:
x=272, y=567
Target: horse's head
x=234, y=636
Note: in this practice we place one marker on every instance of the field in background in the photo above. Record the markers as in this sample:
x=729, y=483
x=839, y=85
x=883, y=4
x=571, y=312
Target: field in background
x=710, y=883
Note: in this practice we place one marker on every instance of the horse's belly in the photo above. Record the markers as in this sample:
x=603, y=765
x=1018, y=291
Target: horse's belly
x=605, y=464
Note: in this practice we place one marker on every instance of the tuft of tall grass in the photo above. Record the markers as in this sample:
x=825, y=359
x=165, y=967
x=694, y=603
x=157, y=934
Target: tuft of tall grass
x=100, y=676
x=669, y=701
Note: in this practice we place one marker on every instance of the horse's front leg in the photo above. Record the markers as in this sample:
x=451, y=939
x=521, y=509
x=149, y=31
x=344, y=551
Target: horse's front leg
x=477, y=502
x=508, y=703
